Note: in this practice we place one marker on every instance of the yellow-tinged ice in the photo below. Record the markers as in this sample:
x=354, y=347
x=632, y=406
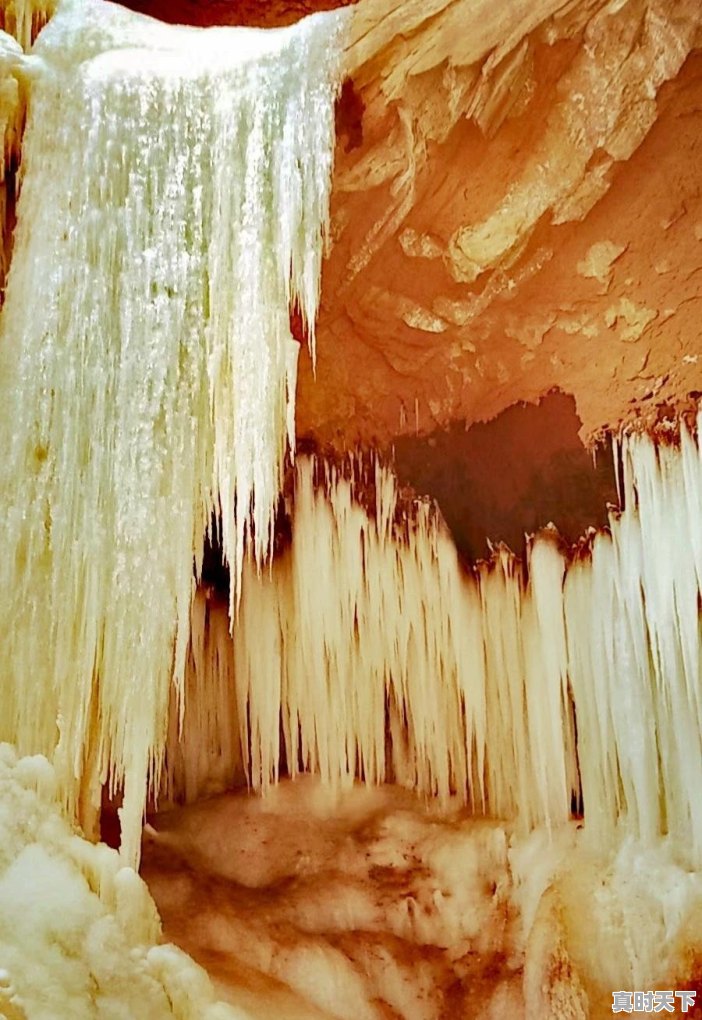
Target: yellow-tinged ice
x=203, y=750
x=635, y=648
x=522, y=689
x=174, y=204
x=384, y=659
x=11, y=115
x=24, y=19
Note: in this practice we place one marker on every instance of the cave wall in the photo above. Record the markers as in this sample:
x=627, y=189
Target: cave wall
x=518, y=208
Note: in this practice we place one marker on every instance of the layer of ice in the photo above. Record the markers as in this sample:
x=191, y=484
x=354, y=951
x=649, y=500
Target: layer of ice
x=24, y=19
x=368, y=903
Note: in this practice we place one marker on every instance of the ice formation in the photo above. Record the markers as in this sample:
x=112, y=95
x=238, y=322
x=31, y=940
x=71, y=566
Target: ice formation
x=394, y=665
x=20, y=23
x=11, y=111
x=24, y=19
x=635, y=651
x=79, y=933
x=203, y=750
x=173, y=207
x=384, y=659
x=375, y=903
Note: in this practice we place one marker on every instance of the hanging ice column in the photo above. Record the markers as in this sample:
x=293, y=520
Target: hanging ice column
x=173, y=206
x=520, y=688
x=394, y=664
x=24, y=19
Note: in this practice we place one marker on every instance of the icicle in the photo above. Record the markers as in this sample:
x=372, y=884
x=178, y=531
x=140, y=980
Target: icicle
x=365, y=630
x=383, y=660
x=12, y=102
x=174, y=204
x=507, y=736
x=209, y=727
x=634, y=649
x=24, y=19
x=549, y=709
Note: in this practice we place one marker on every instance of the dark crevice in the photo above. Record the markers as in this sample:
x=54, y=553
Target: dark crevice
x=511, y=476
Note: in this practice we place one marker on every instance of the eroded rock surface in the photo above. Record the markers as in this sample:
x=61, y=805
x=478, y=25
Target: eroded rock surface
x=517, y=208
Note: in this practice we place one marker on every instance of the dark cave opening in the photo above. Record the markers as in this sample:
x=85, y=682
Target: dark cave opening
x=501, y=480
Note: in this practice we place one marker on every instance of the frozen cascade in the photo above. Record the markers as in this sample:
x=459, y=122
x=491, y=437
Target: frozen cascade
x=174, y=201
x=11, y=114
x=397, y=664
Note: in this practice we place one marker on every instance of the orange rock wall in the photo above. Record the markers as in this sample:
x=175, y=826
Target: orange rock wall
x=517, y=207
x=552, y=238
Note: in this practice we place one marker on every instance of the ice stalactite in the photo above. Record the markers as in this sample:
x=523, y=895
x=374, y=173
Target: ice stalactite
x=522, y=689
x=12, y=95
x=394, y=663
x=20, y=23
x=635, y=648
x=24, y=19
x=173, y=207
x=528, y=743
x=203, y=753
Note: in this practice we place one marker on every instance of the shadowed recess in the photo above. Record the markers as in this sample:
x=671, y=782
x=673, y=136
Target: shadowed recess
x=252, y=13
x=505, y=478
